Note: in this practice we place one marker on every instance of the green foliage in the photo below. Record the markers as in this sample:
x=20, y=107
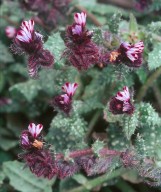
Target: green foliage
x=67, y=132
x=130, y=124
x=155, y=27
x=97, y=146
x=30, y=100
x=133, y=26
x=114, y=22
x=30, y=89
x=140, y=145
x=5, y=55
x=155, y=57
x=149, y=128
x=7, y=140
x=23, y=180
x=116, y=138
x=55, y=45
x=2, y=177
x=142, y=74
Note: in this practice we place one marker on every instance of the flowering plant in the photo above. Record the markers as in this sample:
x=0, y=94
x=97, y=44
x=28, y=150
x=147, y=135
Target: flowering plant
x=80, y=96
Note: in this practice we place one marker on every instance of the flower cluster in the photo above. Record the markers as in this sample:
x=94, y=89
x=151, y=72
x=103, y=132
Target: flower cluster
x=10, y=31
x=121, y=103
x=130, y=55
x=38, y=157
x=49, y=12
x=64, y=101
x=28, y=41
x=80, y=51
x=31, y=139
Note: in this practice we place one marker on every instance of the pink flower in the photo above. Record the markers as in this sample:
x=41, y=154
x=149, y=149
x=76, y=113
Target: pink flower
x=121, y=103
x=29, y=41
x=123, y=95
x=10, y=31
x=63, y=103
x=25, y=34
x=81, y=51
x=130, y=55
x=80, y=18
x=70, y=88
x=43, y=59
x=65, y=99
x=25, y=140
x=77, y=30
x=35, y=129
x=133, y=50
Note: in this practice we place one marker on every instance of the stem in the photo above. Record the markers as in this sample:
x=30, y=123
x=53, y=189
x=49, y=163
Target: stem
x=121, y=3
x=148, y=84
x=84, y=152
x=157, y=95
x=98, y=181
x=92, y=123
x=75, y=154
x=8, y=20
x=90, y=15
x=105, y=151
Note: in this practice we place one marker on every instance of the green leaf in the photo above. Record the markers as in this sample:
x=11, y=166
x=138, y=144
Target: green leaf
x=81, y=179
x=67, y=132
x=7, y=140
x=18, y=68
x=23, y=180
x=154, y=27
x=2, y=81
x=114, y=22
x=46, y=81
x=2, y=177
x=116, y=138
x=130, y=123
x=142, y=74
x=140, y=145
x=154, y=58
x=67, y=184
x=149, y=128
x=5, y=55
x=133, y=26
x=28, y=90
x=55, y=45
x=97, y=146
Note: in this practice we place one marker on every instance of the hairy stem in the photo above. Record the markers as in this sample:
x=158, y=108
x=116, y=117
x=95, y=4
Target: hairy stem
x=84, y=152
x=98, y=181
x=148, y=84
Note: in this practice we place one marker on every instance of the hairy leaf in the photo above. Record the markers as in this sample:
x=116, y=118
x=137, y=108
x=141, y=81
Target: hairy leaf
x=154, y=58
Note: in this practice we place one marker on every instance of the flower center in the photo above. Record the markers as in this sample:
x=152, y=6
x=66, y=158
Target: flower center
x=37, y=144
x=118, y=106
x=114, y=55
